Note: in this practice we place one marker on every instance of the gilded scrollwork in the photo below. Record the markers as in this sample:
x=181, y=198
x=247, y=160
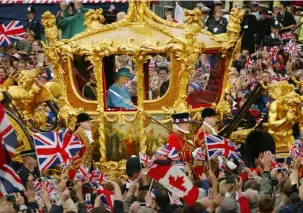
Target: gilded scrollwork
x=186, y=50
x=94, y=18
x=95, y=53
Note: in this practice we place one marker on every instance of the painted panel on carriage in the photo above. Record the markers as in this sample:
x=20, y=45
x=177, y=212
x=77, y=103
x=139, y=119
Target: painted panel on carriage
x=122, y=139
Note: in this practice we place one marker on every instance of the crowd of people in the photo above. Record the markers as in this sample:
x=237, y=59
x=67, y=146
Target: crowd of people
x=271, y=51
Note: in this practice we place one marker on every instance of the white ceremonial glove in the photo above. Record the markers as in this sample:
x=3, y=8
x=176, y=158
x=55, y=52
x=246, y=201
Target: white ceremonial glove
x=231, y=165
x=194, y=153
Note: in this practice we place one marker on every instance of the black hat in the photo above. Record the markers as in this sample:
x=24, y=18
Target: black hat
x=133, y=165
x=82, y=117
x=257, y=141
x=208, y=112
x=275, y=24
x=31, y=153
x=31, y=9
x=180, y=117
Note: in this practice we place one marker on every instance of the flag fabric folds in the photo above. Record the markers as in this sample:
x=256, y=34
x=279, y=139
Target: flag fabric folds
x=179, y=14
x=218, y=145
x=11, y=32
x=9, y=179
x=53, y=148
x=175, y=180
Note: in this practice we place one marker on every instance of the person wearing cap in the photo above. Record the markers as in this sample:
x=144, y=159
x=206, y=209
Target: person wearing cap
x=181, y=123
x=89, y=90
x=218, y=5
x=133, y=169
x=273, y=39
x=205, y=13
x=31, y=23
x=119, y=87
x=29, y=169
x=255, y=6
x=208, y=116
x=168, y=13
x=286, y=19
x=263, y=25
x=248, y=30
x=85, y=155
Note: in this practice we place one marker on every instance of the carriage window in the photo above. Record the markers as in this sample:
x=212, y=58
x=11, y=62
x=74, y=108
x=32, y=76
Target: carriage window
x=158, y=76
x=205, y=83
x=84, y=78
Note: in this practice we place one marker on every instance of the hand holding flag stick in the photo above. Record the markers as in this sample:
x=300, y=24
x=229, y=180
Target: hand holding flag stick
x=151, y=118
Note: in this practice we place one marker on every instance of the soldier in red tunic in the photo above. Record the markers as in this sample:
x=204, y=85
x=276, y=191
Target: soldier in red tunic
x=208, y=116
x=181, y=123
x=208, y=127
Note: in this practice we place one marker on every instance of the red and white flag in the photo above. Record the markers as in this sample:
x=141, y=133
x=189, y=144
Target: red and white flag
x=286, y=36
x=175, y=180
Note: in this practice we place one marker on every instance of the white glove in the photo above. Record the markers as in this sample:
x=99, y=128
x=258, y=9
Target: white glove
x=194, y=153
x=128, y=102
x=231, y=165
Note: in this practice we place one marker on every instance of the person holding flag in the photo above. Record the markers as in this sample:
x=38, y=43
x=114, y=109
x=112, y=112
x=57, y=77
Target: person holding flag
x=208, y=116
x=177, y=140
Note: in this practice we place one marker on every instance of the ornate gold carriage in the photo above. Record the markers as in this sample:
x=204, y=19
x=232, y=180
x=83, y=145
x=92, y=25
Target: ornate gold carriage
x=141, y=36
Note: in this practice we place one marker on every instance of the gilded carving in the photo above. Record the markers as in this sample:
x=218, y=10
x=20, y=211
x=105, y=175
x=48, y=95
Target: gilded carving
x=283, y=113
x=186, y=50
x=94, y=18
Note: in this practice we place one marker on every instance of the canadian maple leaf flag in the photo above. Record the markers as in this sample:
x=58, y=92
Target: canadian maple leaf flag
x=175, y=180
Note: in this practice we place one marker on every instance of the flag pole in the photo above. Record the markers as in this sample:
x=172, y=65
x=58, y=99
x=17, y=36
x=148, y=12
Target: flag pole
x=208, y=159
x=151, y=185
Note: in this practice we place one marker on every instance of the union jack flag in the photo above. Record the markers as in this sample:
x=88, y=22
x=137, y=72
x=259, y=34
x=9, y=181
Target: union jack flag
x=170, y=153
x=11, y=32
x=200, y=155
x=273, y=53
x=221, y=163
x=145, y=159
x=295, y=149
x=88, y=206
x=219, y=145
x=103, y=177
x=9, y=179
x=38, y=188
x=206, y=65
x=174, y=201
x=286, y=36
x=51, y=187
x=8, y=136
x=290, y=47
x=181, y=165
x=249, y=63
x=254, y=82
x=82, y=173
x=107, y=198
x=53, y=148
